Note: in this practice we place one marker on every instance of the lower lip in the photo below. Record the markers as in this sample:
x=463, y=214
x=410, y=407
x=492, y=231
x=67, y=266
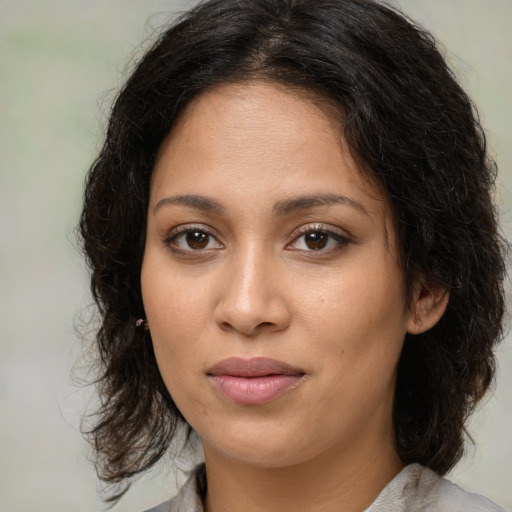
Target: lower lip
x=254, y=390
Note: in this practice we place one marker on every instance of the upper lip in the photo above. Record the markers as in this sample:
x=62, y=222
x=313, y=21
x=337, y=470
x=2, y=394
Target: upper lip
x=254, y=367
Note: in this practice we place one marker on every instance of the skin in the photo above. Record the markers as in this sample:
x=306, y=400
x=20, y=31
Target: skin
x=255, y=285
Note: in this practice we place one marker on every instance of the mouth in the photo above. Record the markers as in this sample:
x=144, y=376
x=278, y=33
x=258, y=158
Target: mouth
x=253, y=381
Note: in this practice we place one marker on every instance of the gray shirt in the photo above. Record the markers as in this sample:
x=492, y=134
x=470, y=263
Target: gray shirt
x=414, y=489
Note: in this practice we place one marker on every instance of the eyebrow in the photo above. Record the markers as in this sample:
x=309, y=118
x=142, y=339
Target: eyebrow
x=281, y=208
x=311, y=201
x=202, y=203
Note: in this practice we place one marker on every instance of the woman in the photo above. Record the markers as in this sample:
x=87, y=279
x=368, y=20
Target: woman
x=295, y=254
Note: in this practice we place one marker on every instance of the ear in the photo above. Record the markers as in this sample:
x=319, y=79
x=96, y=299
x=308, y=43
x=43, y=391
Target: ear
x=427, y=306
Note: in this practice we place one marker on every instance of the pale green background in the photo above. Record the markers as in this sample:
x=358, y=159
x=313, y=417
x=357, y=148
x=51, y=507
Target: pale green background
x=60, y=63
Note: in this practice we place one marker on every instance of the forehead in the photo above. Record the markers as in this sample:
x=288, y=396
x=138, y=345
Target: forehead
x=265, y=140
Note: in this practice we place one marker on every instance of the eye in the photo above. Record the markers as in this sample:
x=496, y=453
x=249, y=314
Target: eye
x=311, y=238
x=191, y=239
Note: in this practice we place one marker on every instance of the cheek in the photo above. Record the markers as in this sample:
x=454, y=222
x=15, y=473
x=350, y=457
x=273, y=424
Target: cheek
x=176, y=323
x=176, y=317
x=172, y=303
x=358, y=298
x=178, y=358
x=358, y=319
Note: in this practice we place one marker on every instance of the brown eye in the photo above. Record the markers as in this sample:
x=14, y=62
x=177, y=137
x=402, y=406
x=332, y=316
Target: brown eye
x=315, y=240
x=197, y=240
x=192, y=239
x=318, y=239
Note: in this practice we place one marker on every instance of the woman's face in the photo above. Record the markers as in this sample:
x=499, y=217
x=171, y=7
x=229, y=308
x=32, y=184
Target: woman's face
x=271, y=282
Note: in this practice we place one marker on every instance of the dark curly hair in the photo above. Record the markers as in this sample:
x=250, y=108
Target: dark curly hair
x=410, y=127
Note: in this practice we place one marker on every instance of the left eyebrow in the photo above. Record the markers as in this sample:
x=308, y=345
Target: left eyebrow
x=300, y=203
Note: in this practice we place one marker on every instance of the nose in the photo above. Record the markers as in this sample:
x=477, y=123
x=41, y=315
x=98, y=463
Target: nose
x=251, y=299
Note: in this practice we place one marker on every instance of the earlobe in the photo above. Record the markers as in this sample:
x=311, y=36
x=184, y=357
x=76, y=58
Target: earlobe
x=427, y=307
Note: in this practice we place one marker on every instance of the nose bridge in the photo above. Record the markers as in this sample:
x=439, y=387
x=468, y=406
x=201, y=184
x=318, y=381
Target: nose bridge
x=251, y=298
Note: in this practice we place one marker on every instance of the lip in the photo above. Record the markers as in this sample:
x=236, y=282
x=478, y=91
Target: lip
x=253, y=381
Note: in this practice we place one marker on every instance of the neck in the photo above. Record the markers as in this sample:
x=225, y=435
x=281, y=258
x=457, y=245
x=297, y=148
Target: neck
x=329, y=483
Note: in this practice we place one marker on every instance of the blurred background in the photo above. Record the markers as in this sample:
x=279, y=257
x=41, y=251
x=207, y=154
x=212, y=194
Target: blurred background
x=61, y=63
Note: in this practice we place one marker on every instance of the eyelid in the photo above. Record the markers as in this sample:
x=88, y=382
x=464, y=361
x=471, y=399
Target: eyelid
x=184, y=228
x=340, y=236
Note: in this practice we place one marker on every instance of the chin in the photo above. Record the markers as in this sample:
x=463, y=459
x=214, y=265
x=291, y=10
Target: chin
x=261, y=449
x=262, y=458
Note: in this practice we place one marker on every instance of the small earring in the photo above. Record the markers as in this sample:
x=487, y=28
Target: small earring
x=418, y=321
x=141, y=322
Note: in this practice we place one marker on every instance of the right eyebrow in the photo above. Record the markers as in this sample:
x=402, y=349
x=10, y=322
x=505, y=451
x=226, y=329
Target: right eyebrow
x=202, y=203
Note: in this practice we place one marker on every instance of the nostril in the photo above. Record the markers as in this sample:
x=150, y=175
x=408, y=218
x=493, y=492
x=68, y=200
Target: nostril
x=225, y=326
x=250, y=317
x=247, y=329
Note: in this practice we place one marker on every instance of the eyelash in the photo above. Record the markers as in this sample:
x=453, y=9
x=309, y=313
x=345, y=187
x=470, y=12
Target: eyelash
x=181, y=231
x=340, y=240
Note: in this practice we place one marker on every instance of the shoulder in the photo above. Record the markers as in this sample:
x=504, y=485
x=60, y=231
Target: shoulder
x=418, y=489
x=439, y=494
x=189, y=497
x=163, y=507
